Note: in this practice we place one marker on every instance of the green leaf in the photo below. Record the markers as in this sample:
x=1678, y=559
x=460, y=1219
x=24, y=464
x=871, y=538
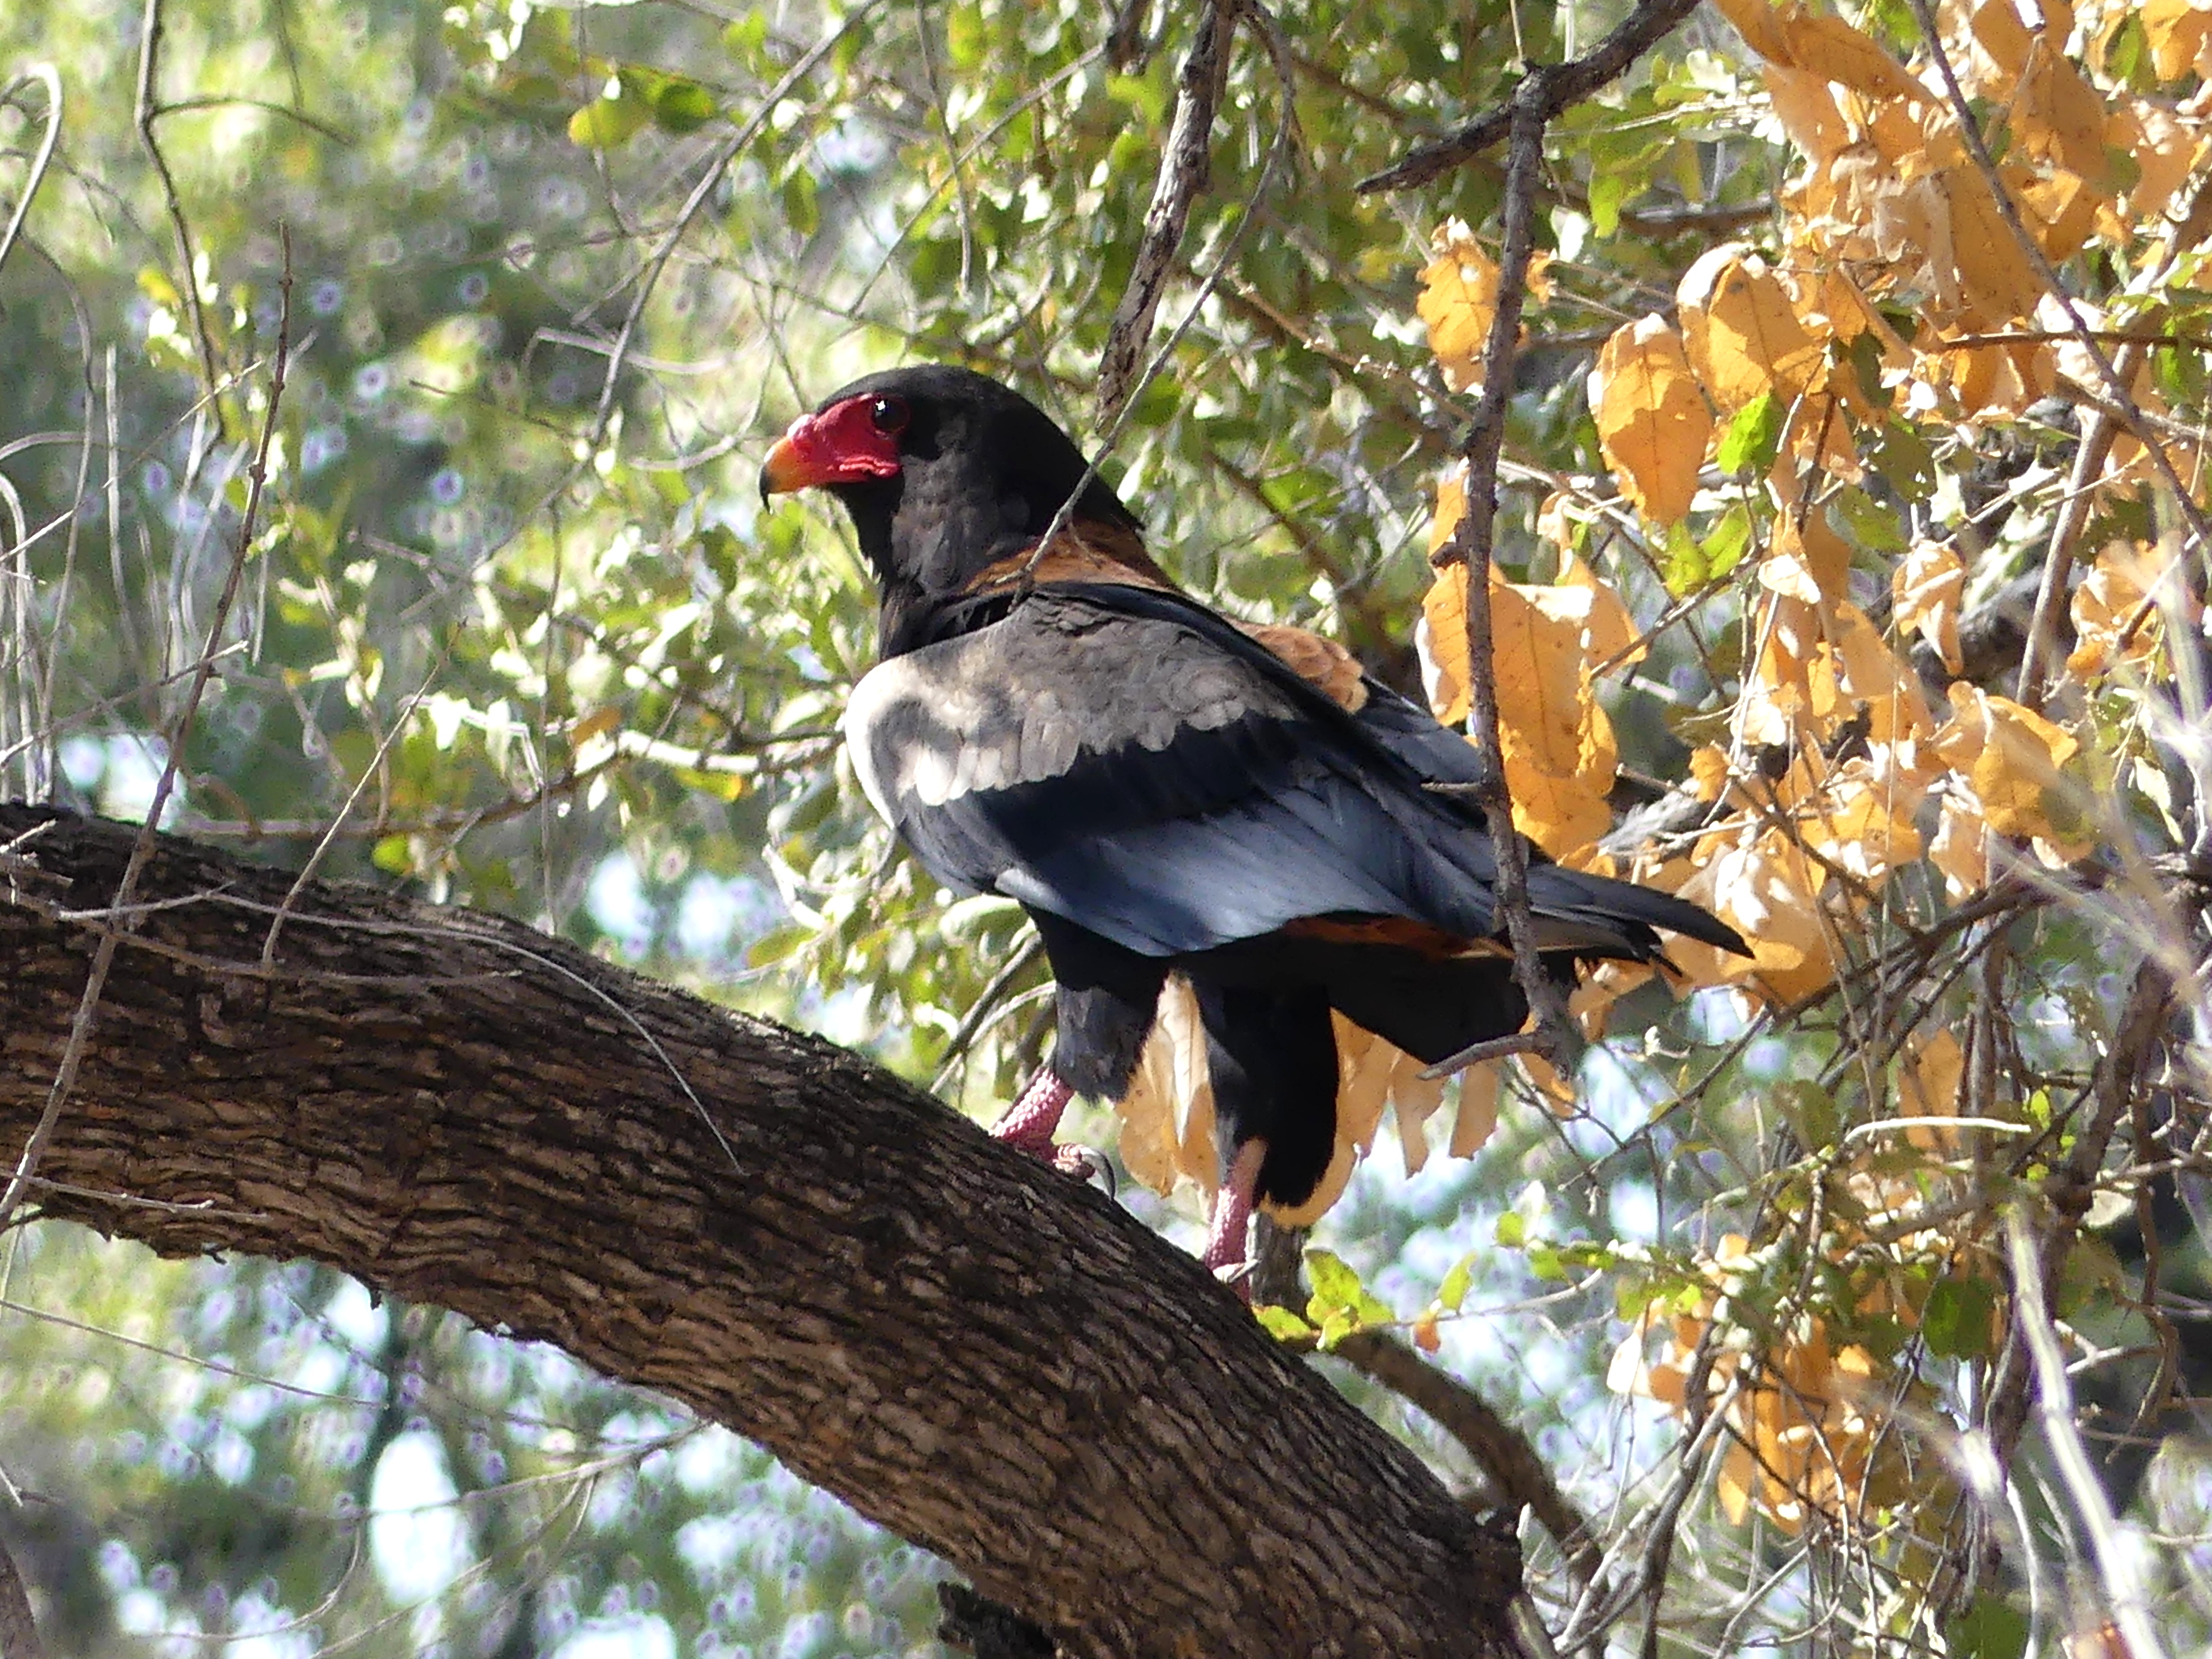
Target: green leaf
x=1547, y=1263
x=744, y=39
x=1754, y=436
x=1512, y=1231
x=1335, y=1285
x=393, y=853
x=1867, y=523
x=1811, y=1110
x=1956, y=1320
x=1453, y=1291
x=1282, y=1324
x=682, y=105
x=1991, y=1628
x=608, y=123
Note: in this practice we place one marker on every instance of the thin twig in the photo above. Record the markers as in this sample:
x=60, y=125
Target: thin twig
x=1519, y=1042
x=1471, y=546
x=149, y=111
x=1567, y=83
x=1185, y=170
x=180, y=735
x=47, y=76
x=956, y=1049
x=2118, y=1570
x=2041, y=648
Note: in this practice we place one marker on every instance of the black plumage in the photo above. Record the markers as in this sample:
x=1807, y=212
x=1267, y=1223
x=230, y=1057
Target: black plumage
x=1165, y=790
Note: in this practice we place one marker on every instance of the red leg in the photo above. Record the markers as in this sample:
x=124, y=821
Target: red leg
x=1229, y=1241
x=1032, y=1121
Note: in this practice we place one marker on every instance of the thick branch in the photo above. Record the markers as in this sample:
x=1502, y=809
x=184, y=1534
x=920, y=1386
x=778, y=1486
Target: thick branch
x=990, y=1359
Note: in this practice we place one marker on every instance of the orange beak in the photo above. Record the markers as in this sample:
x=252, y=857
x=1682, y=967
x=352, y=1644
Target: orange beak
x=788, y=466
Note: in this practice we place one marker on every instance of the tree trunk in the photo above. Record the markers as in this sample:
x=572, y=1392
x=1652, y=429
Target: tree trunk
x=990, y=1359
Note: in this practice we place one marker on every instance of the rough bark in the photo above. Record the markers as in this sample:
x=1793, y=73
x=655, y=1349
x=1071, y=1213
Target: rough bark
x=992, y=1360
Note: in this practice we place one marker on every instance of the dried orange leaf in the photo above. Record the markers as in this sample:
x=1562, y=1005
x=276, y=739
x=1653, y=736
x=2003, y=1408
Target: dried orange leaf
x=1927, y=589
x=1459, y=298
x=1983, y=257
x=1831, y=48
x=1741, y=331
x=1477, y=1118
x=1933, y=1066
x=1440, y=640
x=2012, y=757
x=2117, y=618
x=1651, y=419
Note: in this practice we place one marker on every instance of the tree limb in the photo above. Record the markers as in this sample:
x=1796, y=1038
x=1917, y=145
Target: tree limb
x=1184, y=170
x=992, y=1360
x=1564, y=84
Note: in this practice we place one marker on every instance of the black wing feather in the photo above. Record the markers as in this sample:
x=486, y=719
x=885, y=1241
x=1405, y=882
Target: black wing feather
x=1127, y=760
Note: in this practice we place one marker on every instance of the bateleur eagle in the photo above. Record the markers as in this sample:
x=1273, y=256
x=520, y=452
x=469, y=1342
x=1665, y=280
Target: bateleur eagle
x=1166, y=790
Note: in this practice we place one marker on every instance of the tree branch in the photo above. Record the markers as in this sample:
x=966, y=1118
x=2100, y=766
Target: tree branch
x=1472, y=545
x=993, y=1361
x=1184, y=170
x=1563, y=84
x=1521, y=1477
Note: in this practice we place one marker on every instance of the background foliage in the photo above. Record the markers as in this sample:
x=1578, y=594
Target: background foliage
x=1804, y=451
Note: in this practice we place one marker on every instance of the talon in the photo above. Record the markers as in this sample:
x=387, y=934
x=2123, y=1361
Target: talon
x=1229, y=1241
x=1087, y=1164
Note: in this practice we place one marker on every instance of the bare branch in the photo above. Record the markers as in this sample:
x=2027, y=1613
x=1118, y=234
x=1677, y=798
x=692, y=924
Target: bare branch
x=1184, y=170
x=1472, y=545
x=1521, y=1476
x=1563, y=84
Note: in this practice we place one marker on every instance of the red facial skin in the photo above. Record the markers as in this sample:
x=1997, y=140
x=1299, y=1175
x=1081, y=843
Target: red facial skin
x=850, y=442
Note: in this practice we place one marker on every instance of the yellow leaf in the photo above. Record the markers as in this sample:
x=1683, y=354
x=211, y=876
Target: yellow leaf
x=2060, y=208
x=1982, y=253
x=1807, y=561
x=1543, y=679
x=1927, y=589
x=1459, y=298
x=1559, y=748
x=1742, y=332
x=1451, y=508
x=2059, y=117
x=1760, y=25
x=1167, y=1116
x=1961, y=849
x=1652, y=420
x=2012, y=757
x=2180, y=34
x=1477, y=1117
x=1830, y=47
x=1933, y=1066
x=1764, y=887
x=1609, y=633
x=1440, y=640
x=2165, y=150
x=1863, y=823
x=2116, y=619
x=1806, y=106
x=1999, y=32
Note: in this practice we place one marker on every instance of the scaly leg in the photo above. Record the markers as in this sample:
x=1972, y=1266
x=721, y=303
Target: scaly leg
x=1032, y=1121
x=1229, y=1242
